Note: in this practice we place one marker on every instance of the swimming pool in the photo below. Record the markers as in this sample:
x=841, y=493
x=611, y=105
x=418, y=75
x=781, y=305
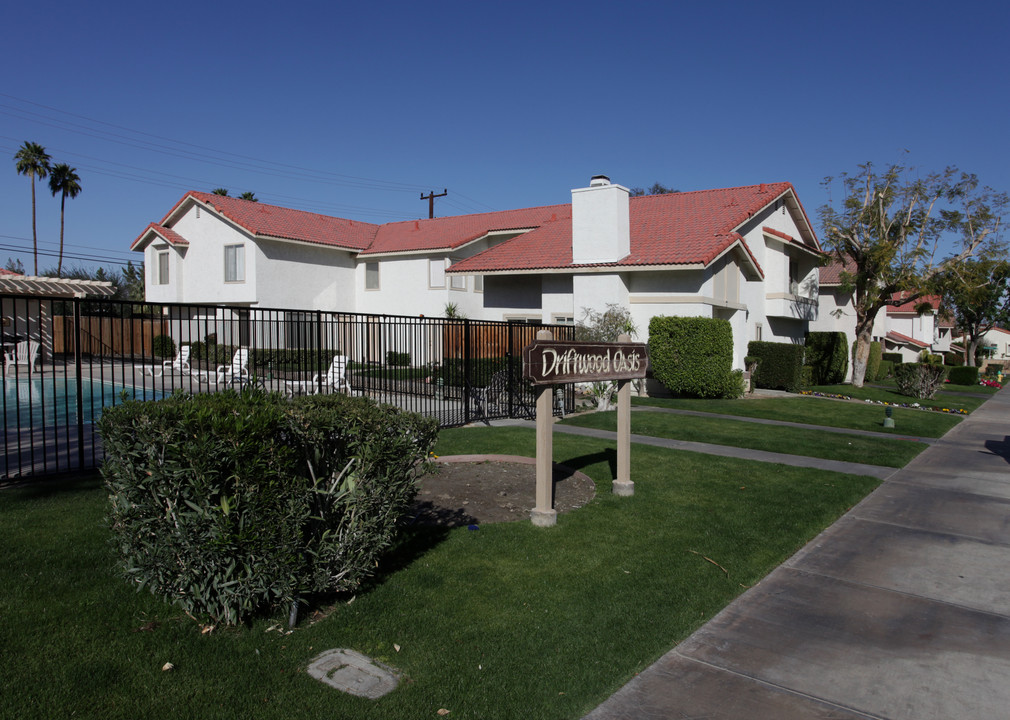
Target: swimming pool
x=49, y=402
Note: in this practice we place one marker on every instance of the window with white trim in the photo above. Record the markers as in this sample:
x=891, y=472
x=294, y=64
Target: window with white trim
x=371, y=276
x=162, y=274
x=234, y=263
x=478, y=283
x=563, y=319
x=457, y=282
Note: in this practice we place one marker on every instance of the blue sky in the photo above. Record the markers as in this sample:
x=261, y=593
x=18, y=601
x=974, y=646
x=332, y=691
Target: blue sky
x=355, y=109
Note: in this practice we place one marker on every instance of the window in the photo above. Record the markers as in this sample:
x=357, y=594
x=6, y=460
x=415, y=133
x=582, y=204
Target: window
x=478, y=283
x=234, y=263
x=457, y=282
x=563, y=320
x=371, y=276
x=436, y=273
x=528, y=319
x=757, y=332
x=162, y=278
x=794, y=277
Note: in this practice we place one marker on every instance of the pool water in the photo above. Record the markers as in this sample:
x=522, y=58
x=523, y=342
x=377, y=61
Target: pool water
x=48, y=402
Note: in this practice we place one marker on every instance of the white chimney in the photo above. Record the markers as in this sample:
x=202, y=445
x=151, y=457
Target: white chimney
x=601, y=228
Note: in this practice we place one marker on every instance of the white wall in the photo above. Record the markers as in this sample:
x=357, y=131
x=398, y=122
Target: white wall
x=302, y=276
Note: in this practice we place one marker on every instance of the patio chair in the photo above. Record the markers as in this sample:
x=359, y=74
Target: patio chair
x=180, y=363
x=237, y=371
x=26, y=353
x=335, y=378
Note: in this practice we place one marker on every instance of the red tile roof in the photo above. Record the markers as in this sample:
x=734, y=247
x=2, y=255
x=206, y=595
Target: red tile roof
x=273, y=221
x=453, y=232
x=4, y=271
x=167, y=234
x=832, y=274
x=904, y=308
x=905, y=340
x=673, y=229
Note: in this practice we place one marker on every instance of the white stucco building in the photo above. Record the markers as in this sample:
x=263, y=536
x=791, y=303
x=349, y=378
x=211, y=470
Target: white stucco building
x=746, y=254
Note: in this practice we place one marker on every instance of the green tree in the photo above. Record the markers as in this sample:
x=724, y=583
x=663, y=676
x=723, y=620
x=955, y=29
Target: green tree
x=219, y=191
x=63, y=179
x=977, y=294
x=132, y=285
x=32, y=160
x=892, y=226
x=250, y=196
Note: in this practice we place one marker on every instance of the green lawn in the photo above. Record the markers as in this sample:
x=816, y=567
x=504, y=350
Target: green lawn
x=818, y=411
x=741, y=433
x=948, y=387
x=503, y=622
x=942, y=399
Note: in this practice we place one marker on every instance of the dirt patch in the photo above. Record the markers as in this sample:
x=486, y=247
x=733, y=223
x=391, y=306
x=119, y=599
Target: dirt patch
x=473, y=490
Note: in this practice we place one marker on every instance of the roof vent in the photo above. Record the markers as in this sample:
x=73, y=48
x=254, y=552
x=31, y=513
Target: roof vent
x=599, y=181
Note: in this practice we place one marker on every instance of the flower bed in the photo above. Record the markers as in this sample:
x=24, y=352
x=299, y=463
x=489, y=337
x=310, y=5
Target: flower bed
x=911, y=406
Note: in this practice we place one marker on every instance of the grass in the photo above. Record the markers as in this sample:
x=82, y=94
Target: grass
x=506, y=621
x=983, y=390
x=818, y=411
x=741, y=433
x=941, y=399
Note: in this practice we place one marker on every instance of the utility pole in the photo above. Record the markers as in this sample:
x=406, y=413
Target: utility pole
x=430, y=197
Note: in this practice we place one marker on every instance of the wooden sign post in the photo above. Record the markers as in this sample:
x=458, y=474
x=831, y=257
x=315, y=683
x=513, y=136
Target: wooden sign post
x=547, y=363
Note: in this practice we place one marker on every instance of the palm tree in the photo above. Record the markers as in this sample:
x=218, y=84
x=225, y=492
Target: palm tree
x=219, y=191
x=63, y=179
x=251, y=196
x=32, y=160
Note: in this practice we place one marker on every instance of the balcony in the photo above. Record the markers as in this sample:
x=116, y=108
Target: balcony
x=788, y=305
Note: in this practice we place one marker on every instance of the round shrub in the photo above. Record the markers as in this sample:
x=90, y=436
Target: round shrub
x=228, y=503
x=919, y=380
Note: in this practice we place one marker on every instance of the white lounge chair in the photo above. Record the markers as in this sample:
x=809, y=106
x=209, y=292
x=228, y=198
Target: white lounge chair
x=335, y=379
x=180, y=363
x=237, y=371
x=25, y=352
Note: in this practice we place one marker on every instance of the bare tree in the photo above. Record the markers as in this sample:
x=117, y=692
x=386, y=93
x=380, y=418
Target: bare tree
x=899, y=230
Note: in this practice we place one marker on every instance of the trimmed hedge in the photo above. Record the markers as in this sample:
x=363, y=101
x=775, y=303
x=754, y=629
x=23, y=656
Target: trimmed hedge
x=873, y=363
x=963, y=375
x=228, y=503
x=163, y=346
x=397, y=359
x=884, y=370
x=827, y=355
x=694, y=356
x=953, y=359
x=893, y=357
x=780, y=365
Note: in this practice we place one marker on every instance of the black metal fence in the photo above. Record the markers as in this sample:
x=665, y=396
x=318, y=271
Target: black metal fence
x=67, y=359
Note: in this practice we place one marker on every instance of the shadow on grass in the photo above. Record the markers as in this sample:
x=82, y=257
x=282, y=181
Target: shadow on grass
x=47, y=486
x=607, y=455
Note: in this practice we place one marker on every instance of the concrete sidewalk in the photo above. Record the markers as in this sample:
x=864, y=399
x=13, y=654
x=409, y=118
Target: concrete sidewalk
x=901, y=609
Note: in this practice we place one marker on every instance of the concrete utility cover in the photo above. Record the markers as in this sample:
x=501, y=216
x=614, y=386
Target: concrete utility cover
x=353, y=673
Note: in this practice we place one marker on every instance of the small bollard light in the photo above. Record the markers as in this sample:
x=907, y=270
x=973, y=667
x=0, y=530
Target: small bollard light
x=888, y=420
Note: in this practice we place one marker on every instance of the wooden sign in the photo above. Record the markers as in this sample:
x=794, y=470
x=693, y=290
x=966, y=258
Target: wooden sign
x=556, y=363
